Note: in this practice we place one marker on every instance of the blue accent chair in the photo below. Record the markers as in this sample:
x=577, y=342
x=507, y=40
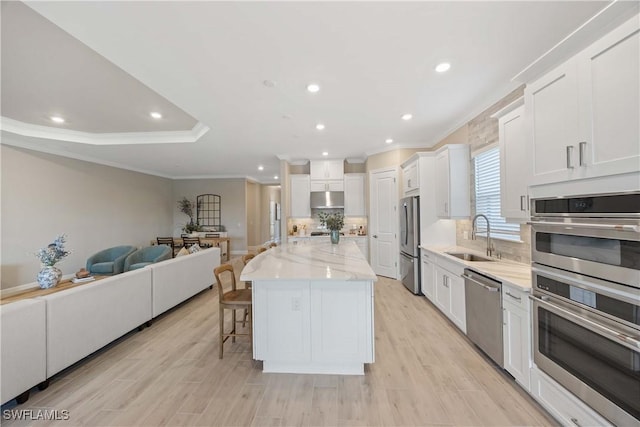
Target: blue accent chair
x=145, y=256
x=109, y=262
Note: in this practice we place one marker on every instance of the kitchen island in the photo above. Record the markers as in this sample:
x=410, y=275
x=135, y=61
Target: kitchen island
x=312, y=308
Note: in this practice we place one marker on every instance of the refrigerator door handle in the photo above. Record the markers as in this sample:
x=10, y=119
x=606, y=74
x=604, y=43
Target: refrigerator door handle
x=406, y=224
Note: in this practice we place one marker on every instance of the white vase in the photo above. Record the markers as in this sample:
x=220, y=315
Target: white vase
x=49, y=276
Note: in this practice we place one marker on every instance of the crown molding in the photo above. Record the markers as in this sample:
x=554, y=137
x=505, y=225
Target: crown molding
x=612, y=15
x=119, y=138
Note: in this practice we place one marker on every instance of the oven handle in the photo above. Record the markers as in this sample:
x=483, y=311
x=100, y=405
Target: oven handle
x=625, y=340
x=613, y=227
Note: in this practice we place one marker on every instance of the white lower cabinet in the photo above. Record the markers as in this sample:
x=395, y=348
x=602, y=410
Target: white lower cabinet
x=564, y=406
x=449, y=292
x=428, y=282
x=516, y=333
x=310, y=326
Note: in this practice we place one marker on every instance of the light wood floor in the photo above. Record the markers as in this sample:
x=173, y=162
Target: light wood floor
x=426, y=373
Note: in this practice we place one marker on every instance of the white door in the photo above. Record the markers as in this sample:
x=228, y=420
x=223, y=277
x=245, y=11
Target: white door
x=383, y=192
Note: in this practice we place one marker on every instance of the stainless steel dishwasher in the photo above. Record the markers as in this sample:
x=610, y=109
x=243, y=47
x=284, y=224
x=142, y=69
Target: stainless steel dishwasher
x=483, y=299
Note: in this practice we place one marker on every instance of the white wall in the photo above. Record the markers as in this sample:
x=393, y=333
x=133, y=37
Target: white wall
x=232, y=194
x=96, y=206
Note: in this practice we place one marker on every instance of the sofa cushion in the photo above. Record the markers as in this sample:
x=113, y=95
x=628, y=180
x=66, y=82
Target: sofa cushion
x=139, y=265
x=183, y=251
x=102, y=268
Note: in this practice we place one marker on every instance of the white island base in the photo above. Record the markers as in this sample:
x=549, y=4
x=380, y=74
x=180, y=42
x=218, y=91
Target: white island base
x=312, y=309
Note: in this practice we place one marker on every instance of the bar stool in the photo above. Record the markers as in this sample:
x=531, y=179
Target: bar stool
x=247, y=284
x=235, y=299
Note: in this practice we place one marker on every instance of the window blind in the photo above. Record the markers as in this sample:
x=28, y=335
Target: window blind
x=487, y=188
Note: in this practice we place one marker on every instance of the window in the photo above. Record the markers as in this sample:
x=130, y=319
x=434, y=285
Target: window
x=487, y=188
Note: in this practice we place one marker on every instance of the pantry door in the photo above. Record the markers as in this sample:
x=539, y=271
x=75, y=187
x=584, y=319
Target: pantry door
x=383, y=197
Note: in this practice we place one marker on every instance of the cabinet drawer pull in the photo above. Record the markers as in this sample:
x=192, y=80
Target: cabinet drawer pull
x=569, y=156
x=581, y=153
x=513, y=296
x=575, y=421
x=523, y=203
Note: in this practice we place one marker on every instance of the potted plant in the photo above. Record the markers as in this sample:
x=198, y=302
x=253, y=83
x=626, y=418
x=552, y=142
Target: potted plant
x=186, y=207
x=334, y=222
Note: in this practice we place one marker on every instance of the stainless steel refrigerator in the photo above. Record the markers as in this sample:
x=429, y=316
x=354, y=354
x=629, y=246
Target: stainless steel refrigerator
x=409, y=243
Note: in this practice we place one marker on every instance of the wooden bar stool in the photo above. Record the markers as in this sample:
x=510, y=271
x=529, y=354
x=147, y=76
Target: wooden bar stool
x=234, y=299
x=247, y=284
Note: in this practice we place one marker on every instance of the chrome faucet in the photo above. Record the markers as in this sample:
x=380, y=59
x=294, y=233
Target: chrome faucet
x=474, y=230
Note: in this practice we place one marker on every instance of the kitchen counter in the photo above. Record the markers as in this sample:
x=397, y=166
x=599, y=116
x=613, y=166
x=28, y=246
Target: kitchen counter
x=509, y=272
x=310, y=260
x=313, y=308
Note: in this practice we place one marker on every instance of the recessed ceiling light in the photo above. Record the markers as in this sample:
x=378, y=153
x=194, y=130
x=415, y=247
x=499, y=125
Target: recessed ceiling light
x=269, y=83
x=324, y=153
x=407, y=116
x=442, y=67
x=275, y=177
x=388, y=140
x=313, y=87
x=320, y=126
x=57, y=119
x=155, y=115
x=260, y=168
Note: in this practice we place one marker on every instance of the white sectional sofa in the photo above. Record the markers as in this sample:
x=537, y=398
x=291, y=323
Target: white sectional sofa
x=179, y=279
x=84, y=319
x=23, y=352
x=44, y=335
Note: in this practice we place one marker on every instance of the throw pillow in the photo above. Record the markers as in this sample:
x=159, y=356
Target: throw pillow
x=183, y=251
x=194, y=248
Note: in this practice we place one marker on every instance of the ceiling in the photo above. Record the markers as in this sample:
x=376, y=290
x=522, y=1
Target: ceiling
x=230, y=77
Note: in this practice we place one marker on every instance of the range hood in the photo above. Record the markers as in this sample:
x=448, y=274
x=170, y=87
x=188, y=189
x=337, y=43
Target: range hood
x=327, y=199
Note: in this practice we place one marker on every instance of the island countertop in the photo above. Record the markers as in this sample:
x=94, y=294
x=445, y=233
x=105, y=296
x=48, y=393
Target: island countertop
x=310, y=260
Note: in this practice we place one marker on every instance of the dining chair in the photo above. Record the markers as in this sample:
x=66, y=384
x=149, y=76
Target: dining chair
x=187, y=242
x=233, y=299
x=169, y=242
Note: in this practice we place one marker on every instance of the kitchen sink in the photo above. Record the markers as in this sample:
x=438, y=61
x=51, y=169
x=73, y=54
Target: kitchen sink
x=469, y=257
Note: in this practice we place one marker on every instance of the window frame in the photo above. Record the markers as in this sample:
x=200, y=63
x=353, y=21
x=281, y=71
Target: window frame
x=487, y=195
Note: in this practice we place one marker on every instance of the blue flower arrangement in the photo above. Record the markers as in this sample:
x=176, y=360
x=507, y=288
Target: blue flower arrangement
x=54, y=252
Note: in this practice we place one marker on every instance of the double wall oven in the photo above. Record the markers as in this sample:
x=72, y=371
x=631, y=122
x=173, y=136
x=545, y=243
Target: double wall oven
x=586, y=299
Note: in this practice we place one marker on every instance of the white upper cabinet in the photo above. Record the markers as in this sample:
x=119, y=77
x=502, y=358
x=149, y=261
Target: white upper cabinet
x=514, y=165
x=326, y=169
x=327, y=175
x=410, y=178
x=609, y=94
x=552, y=117
x=300, y=197
x=354, y=194
x=583, y=118
x=452, y=182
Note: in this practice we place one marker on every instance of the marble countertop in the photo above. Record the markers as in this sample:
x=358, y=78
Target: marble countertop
x=509, y=272
x=310, y=260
